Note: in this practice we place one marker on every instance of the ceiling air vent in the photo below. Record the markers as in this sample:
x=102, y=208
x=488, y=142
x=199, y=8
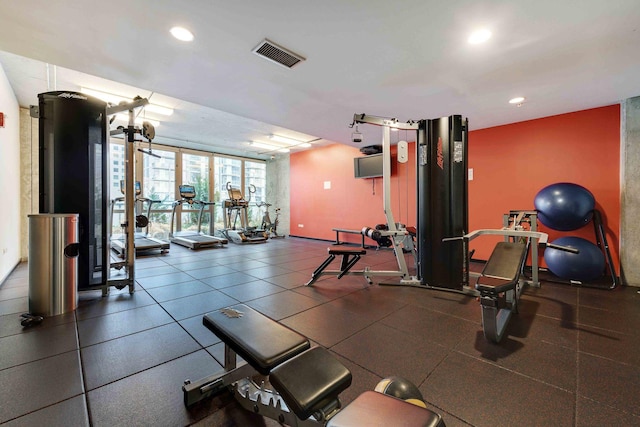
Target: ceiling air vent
x=274, y=53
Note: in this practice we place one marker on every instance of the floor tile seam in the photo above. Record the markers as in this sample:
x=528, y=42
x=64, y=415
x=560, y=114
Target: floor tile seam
x=15, y=286
x=350, y=292
x=188, y=296
x=39, y=359
x=29, y=329
x=579, y=326
x=129, y=334
x=337, y=298
x=333, y=350
x=87, y=390
x=77, y=348
x=511, y=371
x=13, y=299
x=557, y=344
x=83, y=376
x=13, y=270
x=559, y=319
x=21, y=287
x=599, y=356
x=247, y=272
x=360, y=330
x=138, y=276
x=600, y=309
x=426, y=340
x=543, y=299
x=304, y=310
x=168, y=284
x=605, y=404
x=45, y=407
x=451, y=315
x=12, y=313
x=577, y=360
x=142, y=265
x=116, y=312
x=252, y=299
x=211, y=288
x=179, y=324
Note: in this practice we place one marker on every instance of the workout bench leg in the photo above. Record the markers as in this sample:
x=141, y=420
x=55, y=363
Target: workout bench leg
x=320, y=269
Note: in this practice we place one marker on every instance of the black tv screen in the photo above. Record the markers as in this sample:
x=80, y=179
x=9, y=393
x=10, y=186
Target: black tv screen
x=368, y=166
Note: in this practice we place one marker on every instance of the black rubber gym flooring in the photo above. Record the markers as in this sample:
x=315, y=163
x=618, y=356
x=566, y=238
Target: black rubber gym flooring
x=571, y=357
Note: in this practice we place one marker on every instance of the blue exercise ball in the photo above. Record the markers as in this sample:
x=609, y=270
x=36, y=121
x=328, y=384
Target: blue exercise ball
x=564, y=206
x=584, y=266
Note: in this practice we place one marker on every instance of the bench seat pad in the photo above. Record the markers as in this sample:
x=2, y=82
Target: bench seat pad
x=310, y=381
x=502, y=271
x=259, y=340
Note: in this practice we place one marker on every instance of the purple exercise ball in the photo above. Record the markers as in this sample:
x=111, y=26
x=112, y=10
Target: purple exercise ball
x=564, y=206
x=584, y=266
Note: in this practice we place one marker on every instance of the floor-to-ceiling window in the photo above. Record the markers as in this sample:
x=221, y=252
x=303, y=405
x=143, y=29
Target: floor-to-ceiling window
x=161, y=174
x=116, y=175
x=227, y=172
x=195, y=171
x=158, y=183
x=255, y=182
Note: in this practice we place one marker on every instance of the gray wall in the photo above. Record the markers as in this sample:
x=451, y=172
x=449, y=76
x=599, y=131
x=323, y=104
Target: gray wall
x=630, y=187
x=29, y=176
x=278, y=191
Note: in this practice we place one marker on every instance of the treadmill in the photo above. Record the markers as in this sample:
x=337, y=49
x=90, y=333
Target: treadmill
x=192, y=239
x=142, y=242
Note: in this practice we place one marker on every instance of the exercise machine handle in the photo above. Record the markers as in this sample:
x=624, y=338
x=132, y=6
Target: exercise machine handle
x=563, y=248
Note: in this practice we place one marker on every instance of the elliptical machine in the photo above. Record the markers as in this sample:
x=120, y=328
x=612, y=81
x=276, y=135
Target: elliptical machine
x=236, y=207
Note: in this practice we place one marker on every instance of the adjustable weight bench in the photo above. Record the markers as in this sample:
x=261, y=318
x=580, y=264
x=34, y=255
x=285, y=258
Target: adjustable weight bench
x=306, y=381
x=499, y=287
x=350, y=257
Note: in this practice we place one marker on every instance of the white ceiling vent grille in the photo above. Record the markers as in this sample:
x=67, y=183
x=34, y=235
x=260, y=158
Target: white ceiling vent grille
x=278, y=54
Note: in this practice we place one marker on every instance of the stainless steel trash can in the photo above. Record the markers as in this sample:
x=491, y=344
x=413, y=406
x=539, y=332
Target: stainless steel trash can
x=53, y=263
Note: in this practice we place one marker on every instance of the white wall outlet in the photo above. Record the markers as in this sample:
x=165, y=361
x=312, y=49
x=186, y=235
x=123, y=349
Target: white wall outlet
x=300, y=225
x=470, y=174
x=327, y=185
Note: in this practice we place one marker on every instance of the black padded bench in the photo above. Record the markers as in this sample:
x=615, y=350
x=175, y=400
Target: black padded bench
x=307, y=382
x=261, y=342
x=498, y=287
x=350, y=256
x=311, y=382
x=502, y=271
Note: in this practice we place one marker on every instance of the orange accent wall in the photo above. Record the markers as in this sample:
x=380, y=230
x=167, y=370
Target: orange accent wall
x=350, y=203
x=510, y=164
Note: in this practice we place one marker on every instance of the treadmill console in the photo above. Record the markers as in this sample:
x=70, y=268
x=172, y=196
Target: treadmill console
x=137, y=187
x=187, y=192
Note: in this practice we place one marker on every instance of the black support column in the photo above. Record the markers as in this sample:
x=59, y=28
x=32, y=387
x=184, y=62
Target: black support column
x=73, y=174
x=442, y=203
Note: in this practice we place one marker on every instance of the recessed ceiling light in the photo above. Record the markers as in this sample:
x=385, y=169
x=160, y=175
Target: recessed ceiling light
x=284, y=140
x=182, y=34
x=479, y=36
x=268, y=146
x=517, y=100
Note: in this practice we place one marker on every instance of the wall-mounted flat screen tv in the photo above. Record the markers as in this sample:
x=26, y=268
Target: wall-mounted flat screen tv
x=368, y=166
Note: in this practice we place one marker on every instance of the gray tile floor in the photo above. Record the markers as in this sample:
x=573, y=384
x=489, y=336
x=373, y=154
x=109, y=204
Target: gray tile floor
x=571, y=357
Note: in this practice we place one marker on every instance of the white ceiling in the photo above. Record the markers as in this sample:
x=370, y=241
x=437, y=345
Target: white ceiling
x=406, y=59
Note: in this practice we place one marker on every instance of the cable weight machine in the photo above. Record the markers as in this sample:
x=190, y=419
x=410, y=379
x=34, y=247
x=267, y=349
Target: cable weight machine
x=442, y=209
x=128, y=226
